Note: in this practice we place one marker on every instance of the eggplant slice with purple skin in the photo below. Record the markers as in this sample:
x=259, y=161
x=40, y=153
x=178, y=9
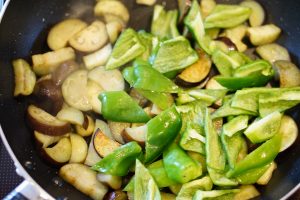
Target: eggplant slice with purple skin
x=196, y=73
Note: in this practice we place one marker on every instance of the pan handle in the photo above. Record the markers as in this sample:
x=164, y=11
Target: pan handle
x=25, y=191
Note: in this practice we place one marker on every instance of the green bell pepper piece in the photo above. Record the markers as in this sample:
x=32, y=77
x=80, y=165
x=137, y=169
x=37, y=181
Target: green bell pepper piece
x=248, y=99
x=280, y=101
x=140, y=62
x=144, y=186
x=263, y=129
x=227, y=16
x=251, y=176
x=236, y=83
x=194, y=22
x=120, y=107
x=264, y=154
x=213, y=194
x=173, y=54
x=188, y=190
x=224, y=63
x=235, y=125
x=179, y=166
x=164, y=23
x=127, y=47
x=162, y=130
x=220, y=179
x=147, y=78
x=207, y=96
x=146, y=39
x=191, y=140
x=240, y=58
x=215, y=157
x=227, y=110
x=161, y=99
x=232, y=147
x=159, y=173
x=261, y=66
x=120, y=160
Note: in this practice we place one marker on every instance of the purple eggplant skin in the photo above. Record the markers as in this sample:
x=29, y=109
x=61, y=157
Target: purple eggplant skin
x=228, y=42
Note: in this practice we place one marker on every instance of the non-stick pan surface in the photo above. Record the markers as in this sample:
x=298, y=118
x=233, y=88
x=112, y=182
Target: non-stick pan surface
x=23, y=32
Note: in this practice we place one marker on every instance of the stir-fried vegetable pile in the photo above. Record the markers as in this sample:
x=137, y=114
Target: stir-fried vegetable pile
x=191, y=109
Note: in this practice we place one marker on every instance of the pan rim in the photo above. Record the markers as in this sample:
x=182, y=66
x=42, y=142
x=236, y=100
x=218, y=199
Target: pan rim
x=19, y=168
x=22, y=172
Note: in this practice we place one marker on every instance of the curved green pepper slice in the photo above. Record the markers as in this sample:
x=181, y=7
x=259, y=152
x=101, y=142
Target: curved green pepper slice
x=119, y=161
x=179, y=166
x=261, y=156
x=120, y=107
x=162, y=130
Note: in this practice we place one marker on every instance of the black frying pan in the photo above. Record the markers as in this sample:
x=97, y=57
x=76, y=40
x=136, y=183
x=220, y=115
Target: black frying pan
x=23, y=32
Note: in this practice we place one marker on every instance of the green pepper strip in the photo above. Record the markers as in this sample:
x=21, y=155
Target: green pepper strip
x=119, y=106
x=252, y=175
x=119, y=161
x=179, y=166
x=145, y=187
x=162, y=130
x=215, y=157
x=263, y=155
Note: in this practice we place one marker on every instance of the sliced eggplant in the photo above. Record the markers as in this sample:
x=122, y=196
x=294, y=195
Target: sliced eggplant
x=213, y=84
x=231, y=46
x=87, y=128
x=60, y=34
x=115, y=8
x=98, y=58
x=266, y=177
x=288, y=73
x=183, y=6
x=71, y=115
x=246, y=192
x=195, y=73
x=146, y=2
x=48, y=96
x=272, y=52
x=236, y=35
x=114, y=182
x=44, y=140
x=93, y=91
x=103, y=144
x=24, y=78
x=109, y=80
x=289, y=131
x=142, y=101
x=84, y=179
x=92, y=156
x=117, y=128
x=46, y=63
x=104, y=127
x=258, y=15
x=79, y=149
x=117, y=195
x=74, y=90
x=60, y=153
x=114, y=28
x=137, y=134
x=90, y=38
x=45, y=123
x=155, y=110
x=63, y=71
x=261, y=35
x=207, y=6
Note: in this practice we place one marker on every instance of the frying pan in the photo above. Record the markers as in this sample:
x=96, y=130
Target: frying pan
x=23, y=32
